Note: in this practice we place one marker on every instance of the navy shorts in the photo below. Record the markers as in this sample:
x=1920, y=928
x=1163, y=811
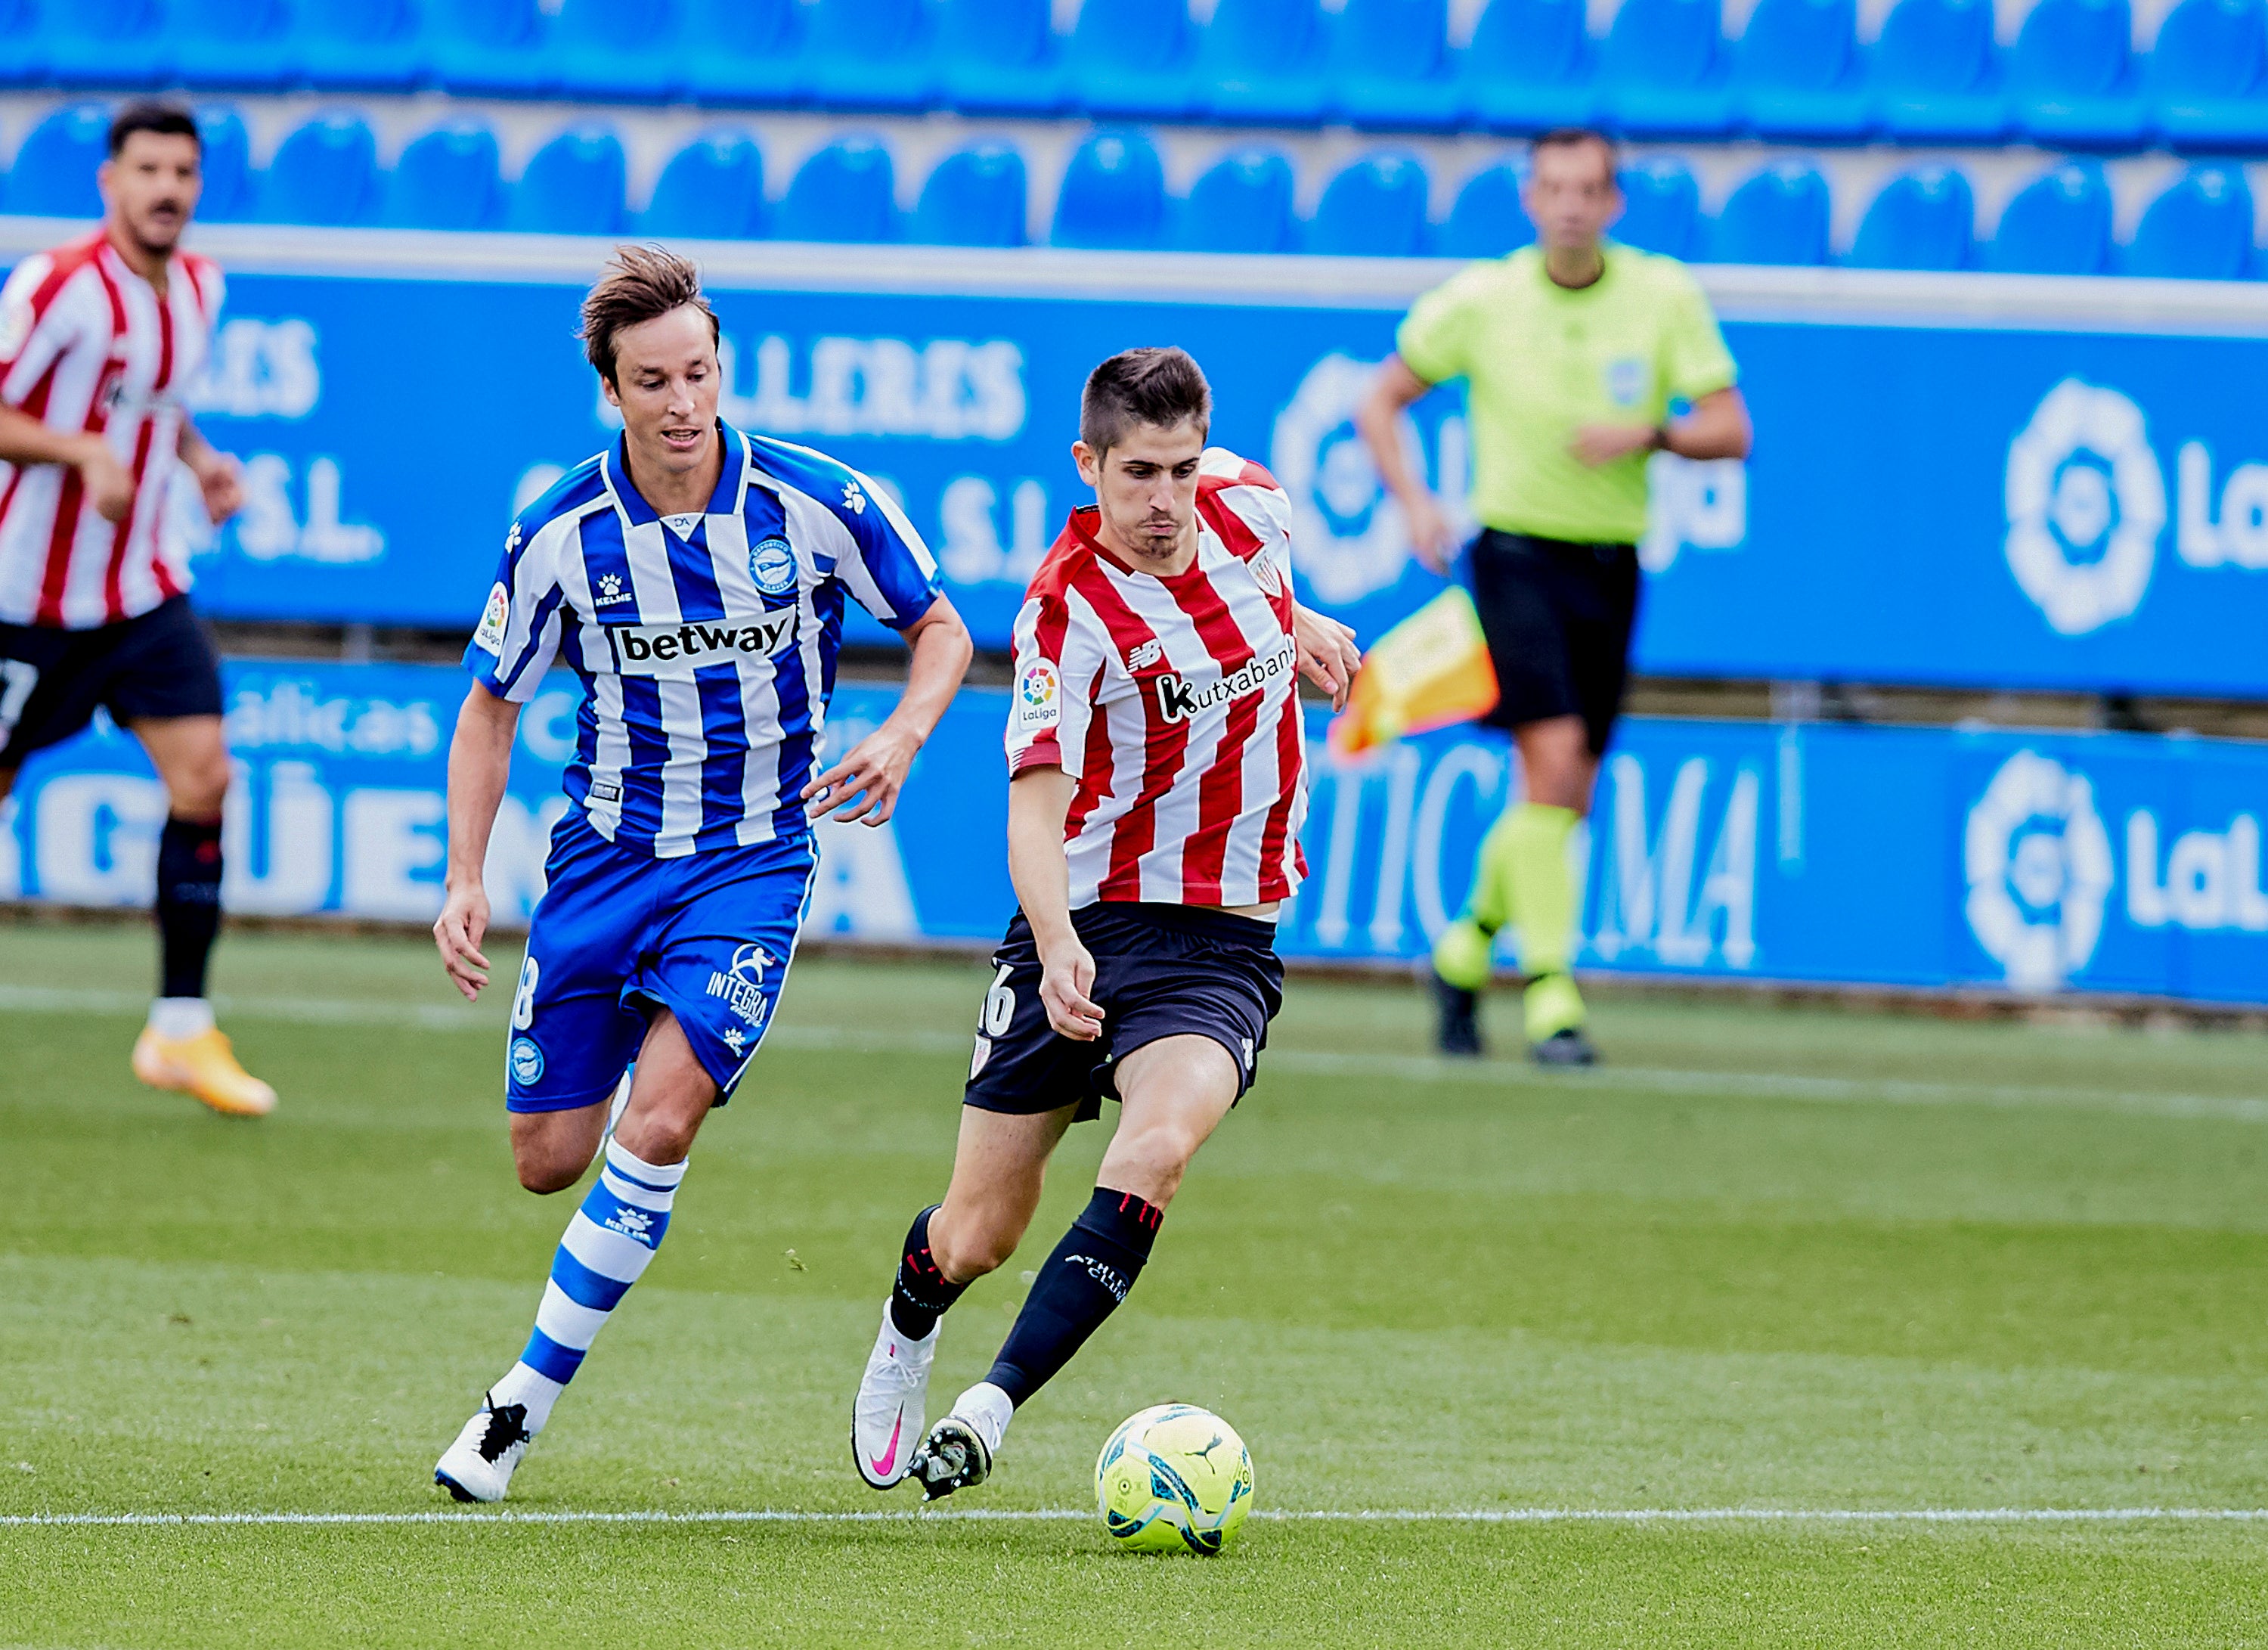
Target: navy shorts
x=159, y=664
x=1159, y=971
x=617, y=933
x=1559, y=618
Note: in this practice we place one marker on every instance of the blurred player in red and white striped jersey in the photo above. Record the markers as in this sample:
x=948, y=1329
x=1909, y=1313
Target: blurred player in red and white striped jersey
x=99, y=339
x=1158, y=777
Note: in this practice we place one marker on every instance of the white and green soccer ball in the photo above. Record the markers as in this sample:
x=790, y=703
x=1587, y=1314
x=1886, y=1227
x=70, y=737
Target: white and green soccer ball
x=1174, y=1476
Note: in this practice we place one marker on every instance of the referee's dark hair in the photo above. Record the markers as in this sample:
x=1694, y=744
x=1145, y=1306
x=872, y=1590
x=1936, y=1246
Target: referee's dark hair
x=1151, y=387
x=1573, y=137
x=147, y=115
x=638, y=283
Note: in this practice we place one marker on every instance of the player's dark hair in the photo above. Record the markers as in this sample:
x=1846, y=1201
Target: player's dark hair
x=1574, y=137
x=147, y=115
x=1149, y=386
x=639, y=284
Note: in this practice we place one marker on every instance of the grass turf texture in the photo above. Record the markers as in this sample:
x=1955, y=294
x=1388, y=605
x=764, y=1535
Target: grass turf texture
x=1769, y=1258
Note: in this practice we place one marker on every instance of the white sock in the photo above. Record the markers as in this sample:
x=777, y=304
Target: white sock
x=988, y=1409
x=178, y=1018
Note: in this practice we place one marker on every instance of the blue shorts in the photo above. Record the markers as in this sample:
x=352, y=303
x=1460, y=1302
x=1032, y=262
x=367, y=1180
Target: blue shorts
x=618, y=933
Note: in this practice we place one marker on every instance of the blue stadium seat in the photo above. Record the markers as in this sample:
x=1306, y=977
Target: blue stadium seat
x=1113, y=194
x=2198, y=230
x=1242, y=203
x=573, y=186
x=1390, y=66
x=446, y=179
x=2069, y=79
x=237, y=43
x=752, y=53
x=325, y=172
x=711, y=190
x=1528, y=68
x=1778, y=216
x=1661, y=72
x=1662, y=209
x=1935, y=73
x=998, y=58
x=872, y=55
x=53, y=174
x=113, y=43
x=23, y=52
x=1488, y=220
x=975, y=198
x=361, y=45
x=624, y=51
x=848, y=191
x=1261, y=62
x=1129, y=59
x=490, y=48
x=2207, y=76
x=1923, y=219
x=1796, y=71
x=1375, y=209
x=2059, y=223
x=227, y=197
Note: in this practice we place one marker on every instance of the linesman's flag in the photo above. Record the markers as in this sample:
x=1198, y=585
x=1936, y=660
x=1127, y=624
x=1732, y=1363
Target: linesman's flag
x=1429, y=671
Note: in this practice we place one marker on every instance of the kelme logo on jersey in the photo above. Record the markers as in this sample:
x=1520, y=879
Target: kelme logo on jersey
x=526, y=1062
x=489, y=636
x=678, y=650
x=771, y=563
x=1178, y=701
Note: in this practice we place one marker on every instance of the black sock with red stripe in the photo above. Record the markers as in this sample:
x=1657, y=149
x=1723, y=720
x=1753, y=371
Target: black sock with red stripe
x=921, y=1294
x=1083, y=1283
x=188, y=904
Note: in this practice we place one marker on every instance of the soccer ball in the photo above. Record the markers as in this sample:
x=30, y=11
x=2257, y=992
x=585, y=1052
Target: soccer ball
x=1174, y=1476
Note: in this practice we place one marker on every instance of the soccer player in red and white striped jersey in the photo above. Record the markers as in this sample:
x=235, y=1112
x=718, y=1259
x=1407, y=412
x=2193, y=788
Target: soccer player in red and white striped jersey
x=98, y=340
x=1158, y=780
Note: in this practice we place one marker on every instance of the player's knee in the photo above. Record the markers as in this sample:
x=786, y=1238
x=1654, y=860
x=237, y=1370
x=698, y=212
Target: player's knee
x=968, y=1249
x=198, y=790
x=544, y=1175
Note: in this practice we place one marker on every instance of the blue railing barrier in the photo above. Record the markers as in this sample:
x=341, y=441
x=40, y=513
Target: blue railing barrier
x=1966, y=479
x=1927, y=859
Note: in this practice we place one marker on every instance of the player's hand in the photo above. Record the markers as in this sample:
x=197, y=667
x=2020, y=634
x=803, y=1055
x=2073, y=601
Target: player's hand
x=458, y=931
x=876, y=765
x=1329, y=657
x=109, y=484
x=1067, y=976
x=221, y=479
x=1431, y=532
x=1603, y=443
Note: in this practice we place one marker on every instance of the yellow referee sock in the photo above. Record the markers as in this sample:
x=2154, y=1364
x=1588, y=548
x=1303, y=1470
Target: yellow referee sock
x=1462, y=954
x=1535, y=852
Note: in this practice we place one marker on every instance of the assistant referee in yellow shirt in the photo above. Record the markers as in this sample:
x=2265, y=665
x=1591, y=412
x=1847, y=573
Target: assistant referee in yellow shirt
x=1574, y=351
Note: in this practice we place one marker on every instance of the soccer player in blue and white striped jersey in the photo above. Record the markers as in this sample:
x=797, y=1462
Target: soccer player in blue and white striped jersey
x=694, y=577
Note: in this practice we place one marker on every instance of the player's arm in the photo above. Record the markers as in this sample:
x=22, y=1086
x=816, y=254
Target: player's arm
x=109, y=484
x=480, y=760
x=219, y=476
x=876, y=765
x=1379, y=422
x=1329, y=657
x=1039, y=799
x=1716, y=427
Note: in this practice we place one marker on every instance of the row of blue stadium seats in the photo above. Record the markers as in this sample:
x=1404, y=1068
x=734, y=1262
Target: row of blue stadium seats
x=1663, y=70
x=1114, y=195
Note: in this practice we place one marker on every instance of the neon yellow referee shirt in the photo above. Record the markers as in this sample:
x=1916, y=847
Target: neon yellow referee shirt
x=1540, y=360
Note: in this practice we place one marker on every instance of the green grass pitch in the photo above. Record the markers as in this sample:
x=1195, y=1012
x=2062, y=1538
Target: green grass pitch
x=1794, y=1261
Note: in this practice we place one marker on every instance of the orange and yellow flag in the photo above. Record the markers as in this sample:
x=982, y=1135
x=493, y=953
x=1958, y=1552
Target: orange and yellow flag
x=1427, y=672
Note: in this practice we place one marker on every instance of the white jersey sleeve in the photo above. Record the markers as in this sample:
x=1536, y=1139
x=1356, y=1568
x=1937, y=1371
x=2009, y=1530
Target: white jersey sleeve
x=518, y=636
x=1061, y=661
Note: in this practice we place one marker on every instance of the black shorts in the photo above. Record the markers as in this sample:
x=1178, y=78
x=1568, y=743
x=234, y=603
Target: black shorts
x=1557, y=617
x=1159, y=971
x=160, y=663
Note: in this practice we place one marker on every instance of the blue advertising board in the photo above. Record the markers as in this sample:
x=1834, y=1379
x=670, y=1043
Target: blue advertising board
x=1981, y=480
x=1834, y=854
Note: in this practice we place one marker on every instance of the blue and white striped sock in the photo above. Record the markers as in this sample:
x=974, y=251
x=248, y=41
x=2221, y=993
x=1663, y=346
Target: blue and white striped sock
x=608, y=1245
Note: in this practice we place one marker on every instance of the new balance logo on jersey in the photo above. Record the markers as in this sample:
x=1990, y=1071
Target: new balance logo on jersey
x=678, y=650
x=1143, y=654
x=1178, y=701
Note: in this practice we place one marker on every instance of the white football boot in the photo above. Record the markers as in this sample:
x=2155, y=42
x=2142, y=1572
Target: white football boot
x=958, y=1453
x=892, y=1403
x=478, y=1467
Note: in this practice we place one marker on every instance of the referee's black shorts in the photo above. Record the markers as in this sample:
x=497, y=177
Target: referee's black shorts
x=1557, y=617
x=159, y=664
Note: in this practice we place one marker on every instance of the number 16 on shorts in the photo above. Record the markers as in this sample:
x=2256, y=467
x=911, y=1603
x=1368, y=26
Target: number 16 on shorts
x=994, y=1019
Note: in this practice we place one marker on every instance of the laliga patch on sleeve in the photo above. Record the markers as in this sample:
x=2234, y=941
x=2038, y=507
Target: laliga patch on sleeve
x=1038, y=695
x=489, y=637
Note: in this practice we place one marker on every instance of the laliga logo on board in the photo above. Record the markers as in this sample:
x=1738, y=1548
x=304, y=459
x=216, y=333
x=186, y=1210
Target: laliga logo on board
x=2039, y=870
x=2086, y=502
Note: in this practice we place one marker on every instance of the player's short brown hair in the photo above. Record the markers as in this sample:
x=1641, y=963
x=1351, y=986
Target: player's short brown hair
x=639, y=283
x=1151, y=387
x=1575, y=138
x=149, y=115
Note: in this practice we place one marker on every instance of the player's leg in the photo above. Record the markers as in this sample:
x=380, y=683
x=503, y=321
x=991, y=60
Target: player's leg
x=1527, y=853
x=163, y=687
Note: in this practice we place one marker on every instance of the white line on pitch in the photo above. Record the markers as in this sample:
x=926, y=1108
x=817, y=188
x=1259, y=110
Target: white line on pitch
x=1407, y=1068
x=1397, y=1515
